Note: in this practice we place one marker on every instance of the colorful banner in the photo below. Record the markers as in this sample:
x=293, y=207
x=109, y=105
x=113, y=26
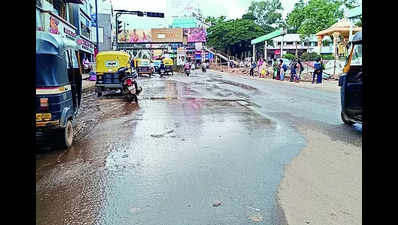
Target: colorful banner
x=166, y=35
x=195, y=34
x=135, y=36
x=181, y=56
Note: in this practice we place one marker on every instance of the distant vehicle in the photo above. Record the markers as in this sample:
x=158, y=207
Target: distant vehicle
x=156, y=65
x=58, y=88
x=168, y=65
x=107, y=65
x=351, y=83
x=144, y=67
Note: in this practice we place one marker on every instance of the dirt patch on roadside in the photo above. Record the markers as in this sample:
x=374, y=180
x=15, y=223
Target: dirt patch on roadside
x=323, y=184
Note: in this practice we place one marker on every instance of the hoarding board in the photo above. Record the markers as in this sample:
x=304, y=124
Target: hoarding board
x=195, y=34
x=166, y=35
x=135, y=36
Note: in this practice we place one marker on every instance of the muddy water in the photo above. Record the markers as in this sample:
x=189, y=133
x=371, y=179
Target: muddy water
x=182, y=156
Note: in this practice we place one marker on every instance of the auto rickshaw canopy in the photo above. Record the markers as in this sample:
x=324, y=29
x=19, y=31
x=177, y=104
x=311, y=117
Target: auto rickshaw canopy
x=168, y=62
x=111, y=61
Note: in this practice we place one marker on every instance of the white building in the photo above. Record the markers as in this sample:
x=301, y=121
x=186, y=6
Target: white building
x=293, y=42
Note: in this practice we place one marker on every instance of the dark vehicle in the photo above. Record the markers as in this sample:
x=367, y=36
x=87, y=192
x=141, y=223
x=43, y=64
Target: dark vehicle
x=351, y=84
x=58, y=88
x=108, y=63
x=130, y=87
x=156, y=65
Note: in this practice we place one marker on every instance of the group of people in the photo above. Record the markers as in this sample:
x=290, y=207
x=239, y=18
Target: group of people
x=280, y=70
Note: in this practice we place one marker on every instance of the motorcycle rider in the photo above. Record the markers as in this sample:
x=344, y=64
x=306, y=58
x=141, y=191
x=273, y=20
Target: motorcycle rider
x=161, y=68
x=204, y=66
x=187, y=66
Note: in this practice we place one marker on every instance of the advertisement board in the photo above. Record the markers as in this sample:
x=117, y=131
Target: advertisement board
x=53, y=24
x=135, y=36
x=181, y=56
x=166, y=35
x=195, y=34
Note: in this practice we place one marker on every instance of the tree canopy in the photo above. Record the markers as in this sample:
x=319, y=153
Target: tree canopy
x=233, y=35
x=268, y=14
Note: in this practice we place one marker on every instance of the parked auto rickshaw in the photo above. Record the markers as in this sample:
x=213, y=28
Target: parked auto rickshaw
x=144, y=67
x=107, y=65
x=58, y=88
x=168, y=64
x=351, y=83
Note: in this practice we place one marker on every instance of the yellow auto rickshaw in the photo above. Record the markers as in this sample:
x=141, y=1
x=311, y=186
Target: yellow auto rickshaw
x=144, y=67
x=168, y=65
x=107, y=65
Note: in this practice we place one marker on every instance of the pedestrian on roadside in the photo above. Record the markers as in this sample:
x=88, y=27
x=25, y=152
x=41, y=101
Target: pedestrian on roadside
x=300, y=69
x=279, y=68
x=293, y=67
x=317, y=71
x=283, y=71
x=275, y=68
x=252, y=67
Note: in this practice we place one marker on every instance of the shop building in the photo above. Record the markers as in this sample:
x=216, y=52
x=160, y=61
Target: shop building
x=56, y=17
x=82, y=21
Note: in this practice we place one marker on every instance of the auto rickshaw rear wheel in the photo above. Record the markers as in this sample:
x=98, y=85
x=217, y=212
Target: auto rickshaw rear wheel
x=345, y=120
x=64, y=138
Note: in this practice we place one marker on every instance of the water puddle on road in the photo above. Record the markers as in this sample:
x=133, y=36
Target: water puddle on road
x=167, y=160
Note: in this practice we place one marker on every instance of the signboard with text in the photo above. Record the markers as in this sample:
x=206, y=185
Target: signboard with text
x=166, y=35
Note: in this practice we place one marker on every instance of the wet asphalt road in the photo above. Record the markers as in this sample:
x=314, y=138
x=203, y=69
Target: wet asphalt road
x=204, y=149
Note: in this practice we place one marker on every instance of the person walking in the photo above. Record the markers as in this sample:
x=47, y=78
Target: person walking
x=283, y=72
x=279, y=68
x=300, y=69
x=275, y=67
x=293, y=67
x=317, y=71
x=252, y=67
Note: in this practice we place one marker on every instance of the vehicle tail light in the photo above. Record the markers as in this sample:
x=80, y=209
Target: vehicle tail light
x=44, y=104
x=128, y=82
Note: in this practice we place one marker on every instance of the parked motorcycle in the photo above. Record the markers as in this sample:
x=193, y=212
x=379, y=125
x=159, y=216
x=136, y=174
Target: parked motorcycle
x=130, y=87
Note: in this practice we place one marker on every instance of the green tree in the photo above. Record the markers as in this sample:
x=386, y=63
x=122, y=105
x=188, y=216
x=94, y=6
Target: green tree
x=296, y=17
x=233, y=36
x=316, y=15
x=268, y=14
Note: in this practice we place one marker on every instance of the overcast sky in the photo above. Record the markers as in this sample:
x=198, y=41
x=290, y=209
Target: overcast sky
x=230, y=8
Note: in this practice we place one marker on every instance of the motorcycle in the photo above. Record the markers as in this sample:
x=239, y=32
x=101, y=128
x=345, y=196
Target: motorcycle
x=187, y=71
x=130, y=87
x=204, y=69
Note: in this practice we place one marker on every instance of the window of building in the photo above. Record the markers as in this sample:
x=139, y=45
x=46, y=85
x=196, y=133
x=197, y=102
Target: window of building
x=59, y=7
x=289, y=43
x=84, y=26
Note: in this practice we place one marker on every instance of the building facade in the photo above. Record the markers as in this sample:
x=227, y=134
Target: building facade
x=290, y=43
x=82, y=21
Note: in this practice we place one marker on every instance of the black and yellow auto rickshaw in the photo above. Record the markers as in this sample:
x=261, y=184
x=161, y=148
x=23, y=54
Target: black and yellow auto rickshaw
x=107, y=65
x=58, y=88
x=168, y=65
x=144, y=67
x=351, y=83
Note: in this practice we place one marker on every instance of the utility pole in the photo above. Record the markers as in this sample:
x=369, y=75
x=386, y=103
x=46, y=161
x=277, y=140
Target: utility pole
x=96, y=24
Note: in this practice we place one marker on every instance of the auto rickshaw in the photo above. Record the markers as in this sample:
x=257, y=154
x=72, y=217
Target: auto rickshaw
x=107, y=65
x=351, y=83
x=58, y=88
x=144, y=67
x=168, y=65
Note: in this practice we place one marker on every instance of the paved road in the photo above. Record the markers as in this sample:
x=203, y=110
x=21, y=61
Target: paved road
x=204, y=149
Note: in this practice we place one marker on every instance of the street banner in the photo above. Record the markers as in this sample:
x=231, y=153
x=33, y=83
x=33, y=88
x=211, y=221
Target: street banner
x=135, y=36
x=166, y=35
